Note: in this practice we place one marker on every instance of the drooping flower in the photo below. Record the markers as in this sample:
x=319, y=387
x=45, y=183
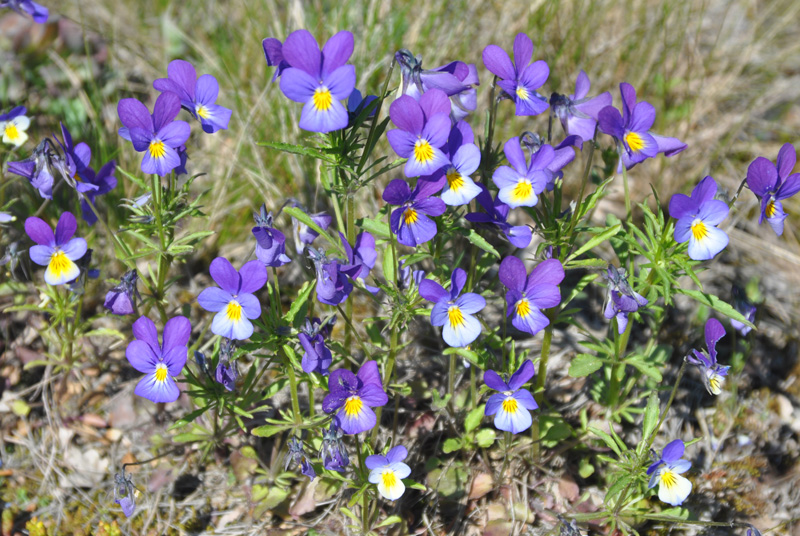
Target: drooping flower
x=698, y=217
x=521, y=183
x=361, y=255
x=273, y=53
x=496, y=213
x=297, y=456
x=319, y=80
x=353, y=396
x=519, y=79
x=158, y=135
x=227, y=371
x=160, y=362
x=316, y=357
x=41, y=168
x=632, y=129
x=422, y=129
x=410, y=222
x=233, y=301
x=773, y=183
x=124, y=493
x=389, y=471
x=452, y=311
x=105, y=181
x=742, y=304
x=666, y=474
x=305, y=235
x=120, y=299
x=333, y=452
x=14, y=124
x=511, y=405
x=577, y=112
x=713, y=373
x=270, y=242
x=528, y=294
x=57, y=251
x=621, y=300
x=334, y=276
x=198, y=95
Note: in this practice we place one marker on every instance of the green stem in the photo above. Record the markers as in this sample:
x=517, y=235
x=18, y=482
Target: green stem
x=584, y=180
x=625, y=185
x=620, y=346
x=293, y=387
x=487, y=164
x=351, y=238
x=542, y=375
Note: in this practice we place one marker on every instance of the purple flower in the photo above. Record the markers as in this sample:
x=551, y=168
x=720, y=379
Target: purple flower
x=622, y=300
x=297, y=456
x=38, y=12
x=56, y=251
x=354, y=396
x=772, y=183
x=361, y=257
x=318, y=79
x=42, y=166
x=270, y=242
x=742, y=304
x=410, y=222
x=452, y=311
x=104, y=181
x=198, y=95
x=578, y=113
x=496, y=213
x=227, y=372
x=528, y=294
x=406, y=276
x=521, y=183
x=666, y=474
x=124, y=494
x=563, y=154
x=120, y=299
x=14, y=124
x=333, y=452
x=160, y=362
x=464, y=158
x=233, y=300
x=273, y=53
x=389, y=471
x=632, y=129
x=305, y=235
x=157, y=135
x=520, y=79
x=511, y=405
x=316, y=357
x=356, y=104
x=333, y=277
x=713, y=373
x=698, y=217
x=422, y=129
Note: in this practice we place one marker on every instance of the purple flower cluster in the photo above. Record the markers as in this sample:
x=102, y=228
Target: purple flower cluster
x=352, y=397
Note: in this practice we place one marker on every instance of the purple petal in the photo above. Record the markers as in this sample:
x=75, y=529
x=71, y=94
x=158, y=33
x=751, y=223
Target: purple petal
x=433, y=206
x=546, y=272
x=519, y=236
x=790, y=187
x=714, y=332
x=673, y=451
x=140, y=139
x=41, y=255
x=525, y=399
x=368, y=374
x=493, y=380
x=334, y=401
x=495, y=401
x=163, y=165
x=336, y=52
x=416, y=233
x=628, y=101
x=74, y=249
x=157, y=391
x=166, y=108
x=207, y=89
x=462, y=334
x=301, y=51
x=534, y=76
x=705, y=190
x=497, y=62
x=141, y=356
x=407, y=115
x=225, y=275
x=145, y=330
x=134, y=114
x=298, y=85
x=376, y=460
x=457, y=281
x=432, y=291
x=582, y=86
x=682, y=205
x=786, y=160
x=643, y=117
x=373, y=395
x=713, y=212
x=174, y=134
x=177, y=331
x=397, y=192
x=515, y=422
x=512, y=273
x=471, y=303
x=762, y=177
x=396, y=454
x=610, y=121
x=437, y=129
x=175, y=359
x=184, y=77
x=523, y=50
x=341, y=82
x=214, y=299
x=522, y=375
x=707, y=248
x=434, y=102
x=355, y=424
x=505, y=176
x=402, y=142
x=515, y=156
x=668, y=146
x=253, y=276
x=39, y=231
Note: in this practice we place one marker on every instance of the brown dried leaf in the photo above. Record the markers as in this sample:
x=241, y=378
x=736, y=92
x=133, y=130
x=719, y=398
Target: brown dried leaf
x=482, y=484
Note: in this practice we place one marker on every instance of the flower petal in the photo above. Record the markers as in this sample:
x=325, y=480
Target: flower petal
x=253, y=276
x=141, y=356
x=301, y=51
x=522, y=375
x=225, y=275
x=39, y=231
x=145, y=330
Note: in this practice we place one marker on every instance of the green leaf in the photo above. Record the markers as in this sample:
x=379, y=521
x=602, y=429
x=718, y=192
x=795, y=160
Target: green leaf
x=379, y=228
x=616, y=487
x=583, y=365
x=301, y=216
x=585, y=468
x=188, y=418
x=650, y=416
x=299, y=302
x=413, y=484
x=717, y=304
x=451, y=445
x=477, y=240
x=595, y=241
x=485, y=437
x=610, y=443
x=389, y=265
x=645, y=368
x=297, y=149
x=105, y=332
x=391, y=520
x=474, y=418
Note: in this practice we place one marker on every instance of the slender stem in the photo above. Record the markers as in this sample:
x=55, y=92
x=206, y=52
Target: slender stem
x=620, y=346
x=311, y=402
x=362, y=472
x=584, y=180
x=625, y=184
x=371, y=135
x=487, y=165
x=542, y=375
x=277, y=289
x=292, y=386
x=473, y=388
x=351, y=238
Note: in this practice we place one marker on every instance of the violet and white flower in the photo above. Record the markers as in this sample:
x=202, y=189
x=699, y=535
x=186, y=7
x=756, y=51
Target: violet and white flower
x=14, y=124
x=57, y=251
x=233, y=301
x=773, y=183
x=622, y=300
x=411, y=222
x=666, y=474
x=452, y=310
x=389, y=471
x=353, y=396
x=422, y=129
x=512, y=405
x=528, y=294
x=521, y=183
x=198, y=95
x=698, y=217
x=519, y=79
x=577, y=112
x=714, y=374
x=160, y=362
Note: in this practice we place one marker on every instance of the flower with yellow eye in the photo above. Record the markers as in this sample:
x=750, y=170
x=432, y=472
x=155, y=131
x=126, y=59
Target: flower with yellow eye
x=389, y=471
x=159, y=361
x=713, y=373
x=666, y=474
x=511, y=405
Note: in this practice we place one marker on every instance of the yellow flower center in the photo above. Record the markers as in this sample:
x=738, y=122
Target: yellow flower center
x=323, y=100
x=699, y=230
x=12, y=131
x=634, y=141
x=352, y=406
x=157, y=149
x=522, y=93
x=60, y=263
x=389, y=479
x=161, y=372
x=454, y=179
x=523, y=307
x=668, y=478
x=410, y=216
x=522, y=191
x=770, y=210
x=202, y=112
x=715, y=382
x=510, y=405
x=455, y=316
x=423, y=152
x=233, y=311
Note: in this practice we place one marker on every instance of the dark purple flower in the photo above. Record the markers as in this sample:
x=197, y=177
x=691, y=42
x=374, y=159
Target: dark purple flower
x=622, y=300
x=521, y=184
x=320, y=80
x=56, y=251
x=742, y=304
x=233, y=301
x=410, y=222
x=297, y=456
x=198, y=95
x=273, y=53
x=158, y=136
x=124, y=494
x=227, y=371
x=520, y=79
x=316, y=357
x=333, y=277
x=528, y=294
x=354, y=396
x=159, y=361
x=496, y=213
x=356, y=104
x=406, y=276
x=422, y=129
x=713, y=373
x=333, y=452
x=632, y=129
x=698, y=217
x=305, y=235
x=270, y=242
x=772, y=183
x=452, y=310
x=37, y=12
x=578, y=113
x=511, y=405
x=120, y=299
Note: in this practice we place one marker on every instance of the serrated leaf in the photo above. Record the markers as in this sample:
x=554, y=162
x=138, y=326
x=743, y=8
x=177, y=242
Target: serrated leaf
x=474, y=418
x=717, y=304
x=583, y=365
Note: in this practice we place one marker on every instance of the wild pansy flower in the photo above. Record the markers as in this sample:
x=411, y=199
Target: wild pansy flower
x=316, y=357
x=521, y=183
x=452, y=311
x=577, y=112
x=297, y=456
x=389, y=471
x=410, y=222
x=270, y=242
x=406, y=276
x=632, y=129
x=158, y=135
x=120, y=299
x=104, y=181
x=37, y=12
x=698, y=217
x=563, y=153
x=520, y=79
x=621, y=300
x=57, y=251
x=464, y=158
x=13, y=126
x=305, y=235
x=161, y=362
x=333, y=277
x=353, y=396
x=333, y=452
x=320, y=80
x=41, y=167
x=198, y=95
x=356, y=103
x=742, y=304
x=511, y=405
x=772, y=183
x=528, y=294
x=124, y=493
x=227, y=371
x=496, y=213
x=273, y=53
x=233, y=300
x=666, y=474
x=361, y=255
x=713, y=373
x=422, y=129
